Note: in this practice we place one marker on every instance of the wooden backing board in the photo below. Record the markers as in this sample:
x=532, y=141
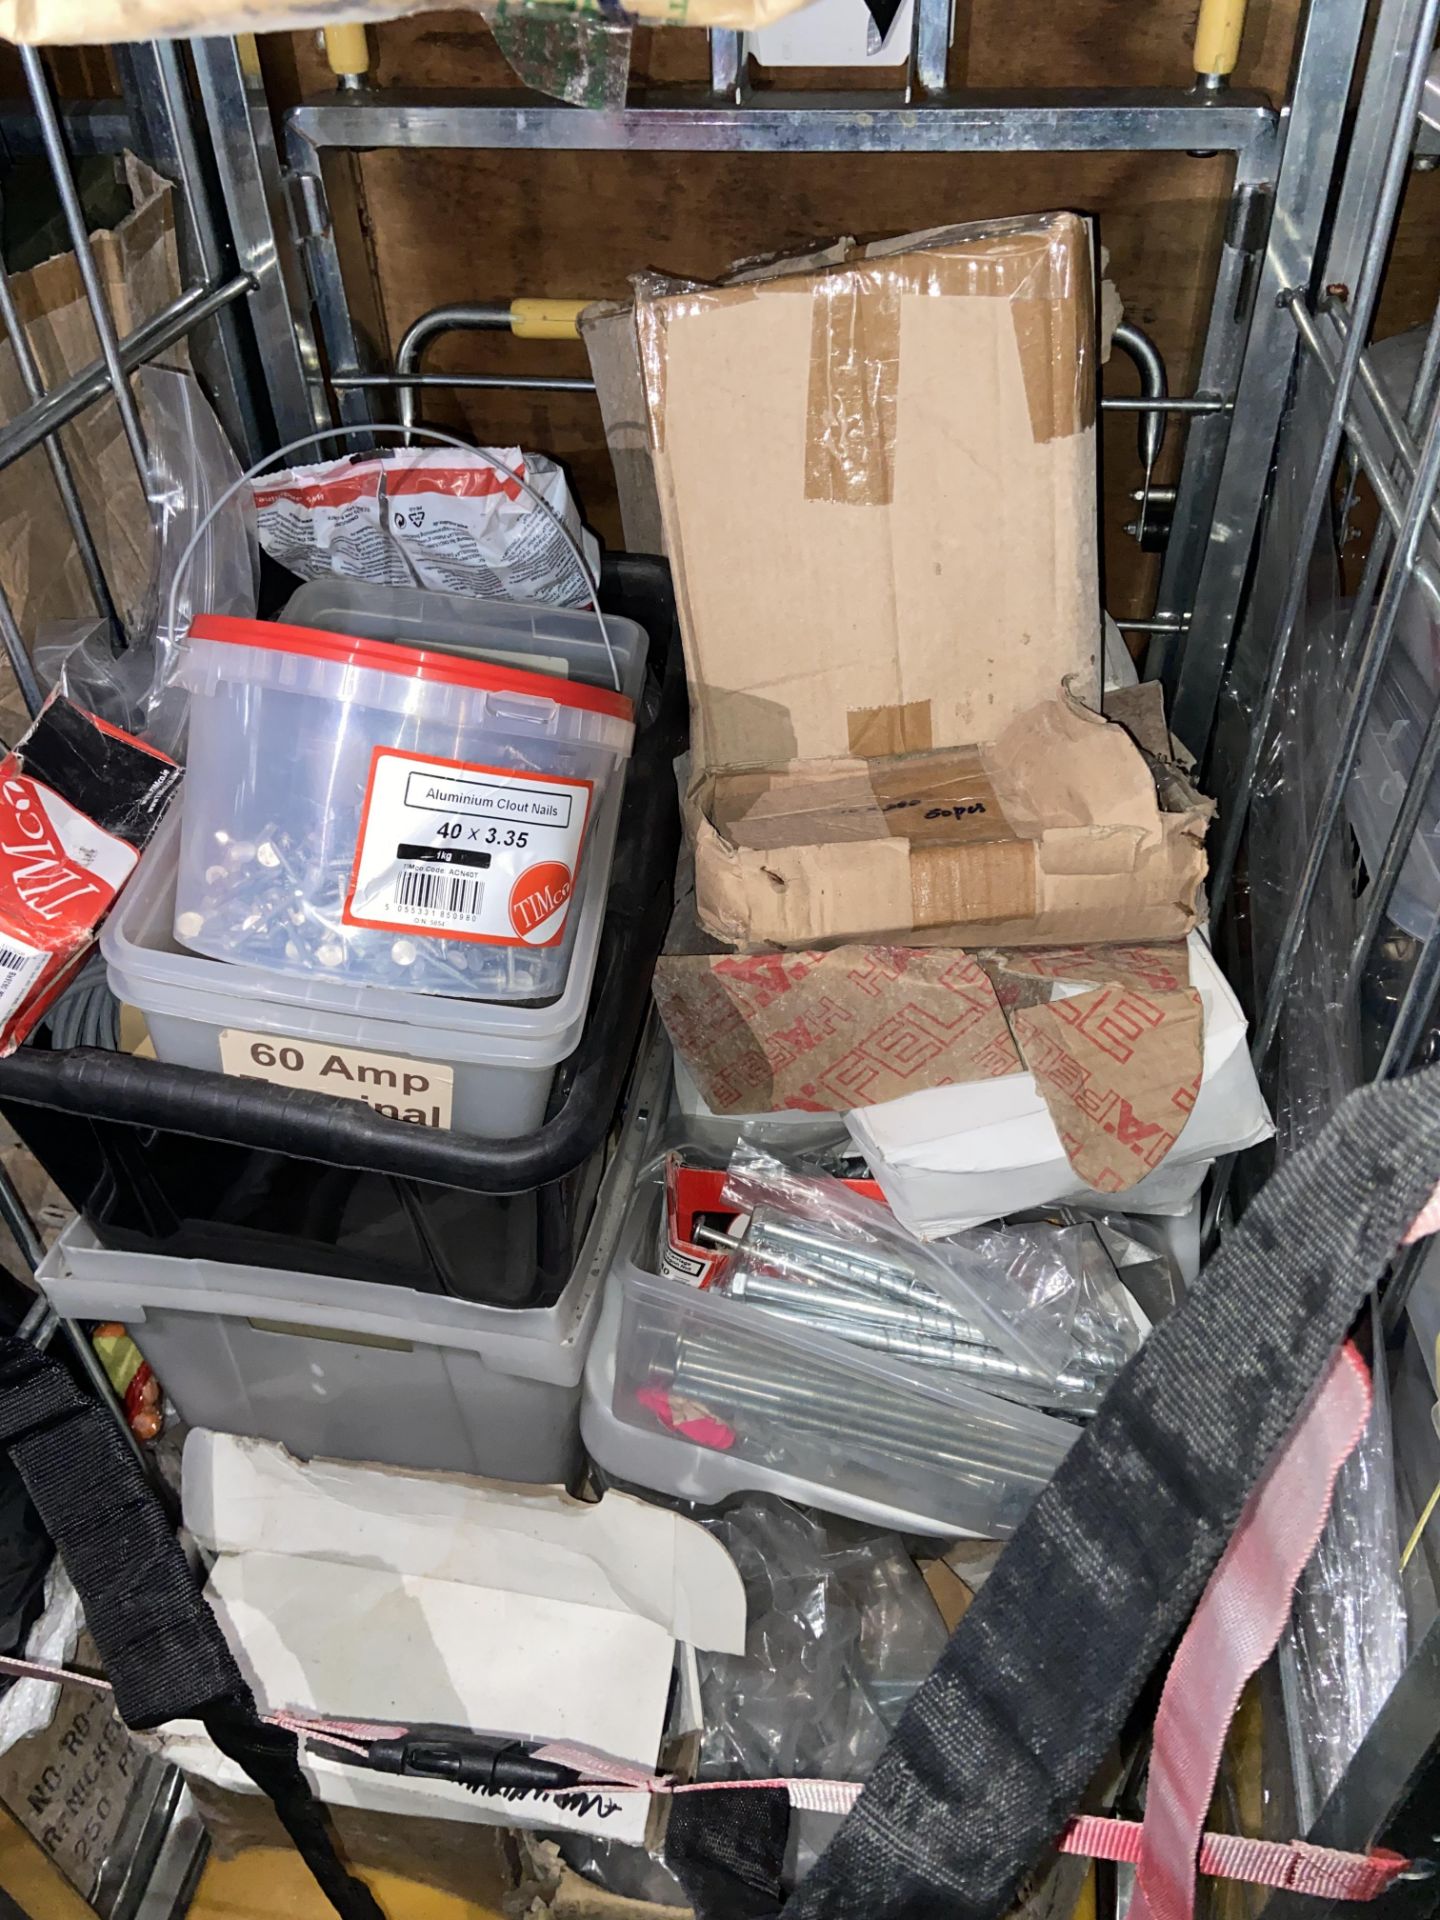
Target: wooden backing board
x=455, y=226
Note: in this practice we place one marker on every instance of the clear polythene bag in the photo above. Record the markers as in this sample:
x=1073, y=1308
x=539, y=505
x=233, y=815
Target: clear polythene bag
x=192, y=468
x=841, y=1424
x=438, y=517
x=842, y=1630
x=1011, y=1294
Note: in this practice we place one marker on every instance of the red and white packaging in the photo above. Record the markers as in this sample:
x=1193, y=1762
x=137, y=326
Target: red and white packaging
x=433, y=517
x=78, y=801
x=694, y=1198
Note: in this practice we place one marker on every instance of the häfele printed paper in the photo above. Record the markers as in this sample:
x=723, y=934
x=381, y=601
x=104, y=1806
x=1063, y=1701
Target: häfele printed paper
x=452, y=850
x=825, y=1032
x=1163, y=967
x=1031, y=977
x=1119, y=1069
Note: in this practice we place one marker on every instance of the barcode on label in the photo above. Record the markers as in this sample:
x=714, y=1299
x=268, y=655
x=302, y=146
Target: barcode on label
x=433, y=890
x=20, y=969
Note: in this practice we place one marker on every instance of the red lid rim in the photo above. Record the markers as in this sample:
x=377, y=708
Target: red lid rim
x=408, y=663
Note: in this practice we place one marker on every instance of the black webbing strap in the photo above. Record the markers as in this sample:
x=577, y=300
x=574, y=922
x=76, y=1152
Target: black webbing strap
x=727, y=1850
x=996, y=1748
x=161, y=1648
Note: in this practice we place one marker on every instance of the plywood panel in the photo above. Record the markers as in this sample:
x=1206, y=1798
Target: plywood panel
x=470, y=226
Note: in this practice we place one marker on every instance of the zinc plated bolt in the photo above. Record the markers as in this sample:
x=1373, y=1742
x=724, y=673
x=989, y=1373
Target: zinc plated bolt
x=845, y=1397
x=809, y=1256
x=807, y=1300
x=929, y=1345
x=973, y=1449
x=900, y=1445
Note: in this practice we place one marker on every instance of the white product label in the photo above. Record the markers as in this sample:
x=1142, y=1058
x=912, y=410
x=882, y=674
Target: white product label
x=470, y=853
x=20, y=967
x=687, y=1267
x=419, y=1091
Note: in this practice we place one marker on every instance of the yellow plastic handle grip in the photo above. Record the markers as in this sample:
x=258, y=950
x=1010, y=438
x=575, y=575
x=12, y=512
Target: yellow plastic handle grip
x=1217, y=35
x=546, y=319
x=347, y=50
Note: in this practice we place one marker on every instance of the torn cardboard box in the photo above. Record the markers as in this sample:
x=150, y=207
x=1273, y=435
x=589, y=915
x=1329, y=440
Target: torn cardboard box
x=1055, y=833
x=982, y=1085
x=877, y=484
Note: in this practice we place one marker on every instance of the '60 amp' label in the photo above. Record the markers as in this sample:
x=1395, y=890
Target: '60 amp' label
x=467, y=852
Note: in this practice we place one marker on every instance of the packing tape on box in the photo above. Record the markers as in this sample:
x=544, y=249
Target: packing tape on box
x=855, y=347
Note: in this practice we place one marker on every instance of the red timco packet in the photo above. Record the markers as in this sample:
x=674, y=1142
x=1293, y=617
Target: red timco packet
x=693, y=1194
x=79, y=799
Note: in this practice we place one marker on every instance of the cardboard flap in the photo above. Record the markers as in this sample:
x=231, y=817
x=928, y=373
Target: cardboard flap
x=1141, y=711
x=847, y=462
x=620, y=1555
x=944, y=798
x=1061, y=765
x=825, y=803
x=365, y=1643
x=1119, y=1070
x=1075, y=851
x=1055, y=833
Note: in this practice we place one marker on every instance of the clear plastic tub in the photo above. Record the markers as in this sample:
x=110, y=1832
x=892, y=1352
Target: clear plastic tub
x=385, y=815
x=560, y=640
x=503, y=1058
x=705, y=1391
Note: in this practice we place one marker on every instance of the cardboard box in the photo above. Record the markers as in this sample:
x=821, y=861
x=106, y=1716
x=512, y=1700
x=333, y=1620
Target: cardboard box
x=878, y=488
x=1056, y=833
x=875, y=470
x=978, y=1085
x=505, y=1610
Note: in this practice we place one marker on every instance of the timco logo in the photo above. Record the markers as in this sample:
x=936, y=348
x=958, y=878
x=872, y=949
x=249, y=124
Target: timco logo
x=538, y=901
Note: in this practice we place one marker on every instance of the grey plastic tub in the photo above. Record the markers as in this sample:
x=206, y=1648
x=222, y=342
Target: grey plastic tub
x=503, y=1057
x=562, y=640
x=357, y=1371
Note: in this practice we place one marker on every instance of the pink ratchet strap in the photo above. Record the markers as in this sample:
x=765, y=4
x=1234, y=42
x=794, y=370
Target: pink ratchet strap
x=1233, y=1631
x=1271, y=1863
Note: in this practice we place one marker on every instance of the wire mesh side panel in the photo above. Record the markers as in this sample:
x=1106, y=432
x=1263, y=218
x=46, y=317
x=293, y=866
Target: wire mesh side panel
x=1326, y=908
x=107, y=483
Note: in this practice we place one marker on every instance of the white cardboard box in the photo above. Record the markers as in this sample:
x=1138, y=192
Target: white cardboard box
x=371, y=1594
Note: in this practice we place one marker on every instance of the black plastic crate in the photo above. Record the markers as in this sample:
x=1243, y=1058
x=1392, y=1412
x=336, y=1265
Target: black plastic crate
x=170, y=1160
